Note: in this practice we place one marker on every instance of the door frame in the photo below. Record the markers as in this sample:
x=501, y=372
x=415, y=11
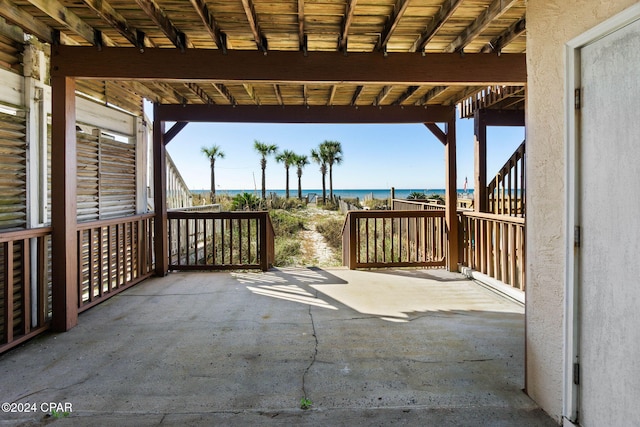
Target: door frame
x=571, y=342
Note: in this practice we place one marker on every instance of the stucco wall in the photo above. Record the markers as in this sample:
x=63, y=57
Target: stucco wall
x=550, y=24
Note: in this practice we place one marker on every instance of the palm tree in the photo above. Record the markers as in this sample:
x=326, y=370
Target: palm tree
x=264, y=150
x=333, y=152
x=287, y=157
x=300, y=162
x=213, y=153
x=319, y=156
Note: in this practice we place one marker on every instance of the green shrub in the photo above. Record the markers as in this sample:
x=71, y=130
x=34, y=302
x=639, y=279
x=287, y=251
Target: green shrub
x=416, y=195
x=331, y=230
x=288, y=247
x=285, y=223
x=287, y=204
x=245, y=201
x=288, y=250
x=225, y=201
x=331, y=206
x=377, y=204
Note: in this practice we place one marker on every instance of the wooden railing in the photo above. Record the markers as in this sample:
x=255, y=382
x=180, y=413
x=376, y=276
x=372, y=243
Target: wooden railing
x=372, y=239
x=178, y=193
x=426, y=205
x=506, y=192
x=25, y=279
x=220, y=240
x=112, y=256
x=494, y=245
x=490, y=96
x=202, y=208
x=415, y=205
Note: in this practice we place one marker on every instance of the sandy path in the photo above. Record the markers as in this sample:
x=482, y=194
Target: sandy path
x=315, y=250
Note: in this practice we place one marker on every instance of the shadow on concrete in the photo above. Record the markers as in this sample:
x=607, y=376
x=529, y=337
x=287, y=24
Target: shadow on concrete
x=429, y=274
x=391, y=295
x=210, y=349
x=290, y=275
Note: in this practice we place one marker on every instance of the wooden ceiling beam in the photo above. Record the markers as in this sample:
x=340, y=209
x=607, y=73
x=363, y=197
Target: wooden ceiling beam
x=346, y=24
x=302, y=36
x=356, y=95
x=65, y=17
x=26, y=21
x=108, y=14
x=168, y=92
x=225, y=93
x=177, y=37
x=433, y=92
x=160, y=18
x=292, y=67
x=146, y=92
x=512, y=101
x=332, y=95
x=251, y=92
x=276, y=89
x=382, y=95
x=446, y=10
x=510, y=34
x=252, y=17
x=303, y=114
x=398, y=11
x=406, y=95
x=494, y=11
x=466, y=93
x=199, y=92
x=492, y=117
x=219, y=38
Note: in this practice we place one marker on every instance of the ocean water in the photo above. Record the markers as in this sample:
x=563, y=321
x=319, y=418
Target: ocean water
x=376, y=193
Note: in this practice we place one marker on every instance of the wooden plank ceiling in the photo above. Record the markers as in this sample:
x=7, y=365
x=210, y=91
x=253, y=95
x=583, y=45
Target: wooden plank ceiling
x=378, y=27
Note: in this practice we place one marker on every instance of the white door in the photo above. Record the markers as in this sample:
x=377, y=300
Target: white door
x=608, y=161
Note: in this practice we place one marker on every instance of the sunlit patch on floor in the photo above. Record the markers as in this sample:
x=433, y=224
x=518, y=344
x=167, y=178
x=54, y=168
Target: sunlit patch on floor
x=287, y=294
x=394, y=319
x=282, y=275
x=258, y=278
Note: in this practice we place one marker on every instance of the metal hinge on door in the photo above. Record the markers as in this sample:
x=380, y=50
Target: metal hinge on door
x=577, y=98
x=576, y=236
x=576, y=373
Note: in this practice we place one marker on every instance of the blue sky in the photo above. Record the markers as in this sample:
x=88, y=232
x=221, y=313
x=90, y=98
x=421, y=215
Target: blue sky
x=375, y=156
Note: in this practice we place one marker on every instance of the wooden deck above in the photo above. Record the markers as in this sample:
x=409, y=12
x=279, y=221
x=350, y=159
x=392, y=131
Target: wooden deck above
x=377, y=28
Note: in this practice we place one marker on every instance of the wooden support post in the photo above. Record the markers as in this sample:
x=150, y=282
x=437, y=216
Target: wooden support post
x=480, y=195
x=160, y=197
x=451, y=210
x=64, y=238
x=264, y=248
x=354, y=242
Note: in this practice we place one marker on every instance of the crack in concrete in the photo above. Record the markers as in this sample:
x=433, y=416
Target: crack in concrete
x=315, y=352
x=29, y=394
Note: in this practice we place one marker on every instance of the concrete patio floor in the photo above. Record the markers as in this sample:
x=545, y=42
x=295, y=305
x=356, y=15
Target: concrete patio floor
x=367, y=348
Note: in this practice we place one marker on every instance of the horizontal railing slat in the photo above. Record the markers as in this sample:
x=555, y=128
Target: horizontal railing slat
x=494, y=217
x=114, y=221
x=7, y=236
